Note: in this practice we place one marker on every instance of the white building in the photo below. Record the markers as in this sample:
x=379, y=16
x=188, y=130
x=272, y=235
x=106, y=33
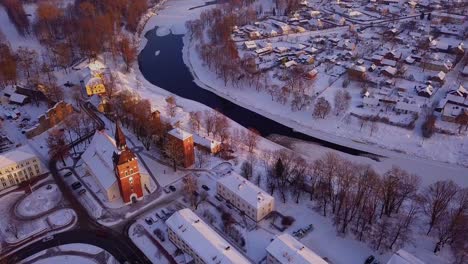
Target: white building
x=17, y=166
x=195, y=238
x=246, y=196
x=286, y=250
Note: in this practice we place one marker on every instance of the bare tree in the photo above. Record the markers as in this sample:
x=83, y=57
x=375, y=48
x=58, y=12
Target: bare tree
x=209, y=120
x=201, y=157
x=191, y=190
x=342, y=101
x=195, y=120
x=322, y=108
x=251, y=137
x=57, y=144
x=171, y=106
x=374, y=127
x=437, y=198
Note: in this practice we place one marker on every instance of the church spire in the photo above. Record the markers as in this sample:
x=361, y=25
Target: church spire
x=120, y=140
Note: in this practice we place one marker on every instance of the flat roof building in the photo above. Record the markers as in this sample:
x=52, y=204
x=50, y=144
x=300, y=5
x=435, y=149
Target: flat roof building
x=286, y=250
x=193, y=236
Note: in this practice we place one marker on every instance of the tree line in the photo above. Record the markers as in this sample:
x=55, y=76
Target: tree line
x=82, y=29
x=381, y=209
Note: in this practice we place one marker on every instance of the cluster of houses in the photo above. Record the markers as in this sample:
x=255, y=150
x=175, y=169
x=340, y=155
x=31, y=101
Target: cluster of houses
x=405, y=78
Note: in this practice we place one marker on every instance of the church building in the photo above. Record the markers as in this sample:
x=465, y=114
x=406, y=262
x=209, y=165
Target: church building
x=116, y=168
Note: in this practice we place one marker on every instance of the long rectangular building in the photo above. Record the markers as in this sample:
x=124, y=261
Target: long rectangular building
x=246, y=196
x=194, y=237
x=17, y=166
x=287, y=250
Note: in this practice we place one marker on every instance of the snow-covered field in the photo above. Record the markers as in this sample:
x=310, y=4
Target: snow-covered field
x=40, y=201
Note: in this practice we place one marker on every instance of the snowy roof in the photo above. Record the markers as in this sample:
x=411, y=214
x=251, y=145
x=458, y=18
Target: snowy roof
x=359, y=68
x=15, y=156
x=17, y=98
x=390, y=70
x=206, y=142
x=98, y=158
x=407, y=107
x=179, y=133
x=245, y=190
x=202, y=239
x=287, y=249
x=403, y=257
x=370, y=101
x=9, y=90
x=441, y=75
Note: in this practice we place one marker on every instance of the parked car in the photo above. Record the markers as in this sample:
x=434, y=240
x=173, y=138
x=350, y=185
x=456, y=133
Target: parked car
x=219, y=198
x=369, y=260
x=229, y=205
x=164, y=211
x=206, y=188
x=166, y=190
x=159, y=234
x=49, y=187
x=68, y=174
x=158, y=215
x=48, y=238
x=149, y=221
x=76, y=185
x=172, y=188
x=82, y=191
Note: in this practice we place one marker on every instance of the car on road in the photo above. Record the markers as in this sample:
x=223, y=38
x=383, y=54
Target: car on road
x=149, y=221
x=166, y=190
x=68, y=174
x=82, y=191
x=76, y=185
x=172, y=188
x=206, y=188
x=370, y=260
x=159, y=234
x=48, y=238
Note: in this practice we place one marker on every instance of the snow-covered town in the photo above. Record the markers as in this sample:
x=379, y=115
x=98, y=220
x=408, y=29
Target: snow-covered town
x=219, y=132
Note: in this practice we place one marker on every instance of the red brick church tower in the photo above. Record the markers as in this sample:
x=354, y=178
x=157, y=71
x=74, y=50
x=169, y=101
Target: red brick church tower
x=126, y=169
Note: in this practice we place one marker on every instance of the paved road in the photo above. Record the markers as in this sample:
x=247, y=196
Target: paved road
x=112, y=243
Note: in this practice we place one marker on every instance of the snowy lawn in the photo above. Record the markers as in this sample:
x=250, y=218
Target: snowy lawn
x=40, y=201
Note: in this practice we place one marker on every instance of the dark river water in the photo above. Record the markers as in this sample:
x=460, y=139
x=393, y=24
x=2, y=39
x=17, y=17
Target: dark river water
x=168, y=71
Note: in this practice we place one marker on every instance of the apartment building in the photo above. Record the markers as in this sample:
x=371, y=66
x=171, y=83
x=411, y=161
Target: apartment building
x=17, y=166
x=195, y=238
x=245, y=196
x=285, y=249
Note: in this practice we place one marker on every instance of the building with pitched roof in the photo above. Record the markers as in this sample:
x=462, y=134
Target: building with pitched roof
x=246, y=196
x=115, y=167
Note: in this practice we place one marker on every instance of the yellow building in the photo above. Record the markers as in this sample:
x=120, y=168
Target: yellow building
x=95, y=85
